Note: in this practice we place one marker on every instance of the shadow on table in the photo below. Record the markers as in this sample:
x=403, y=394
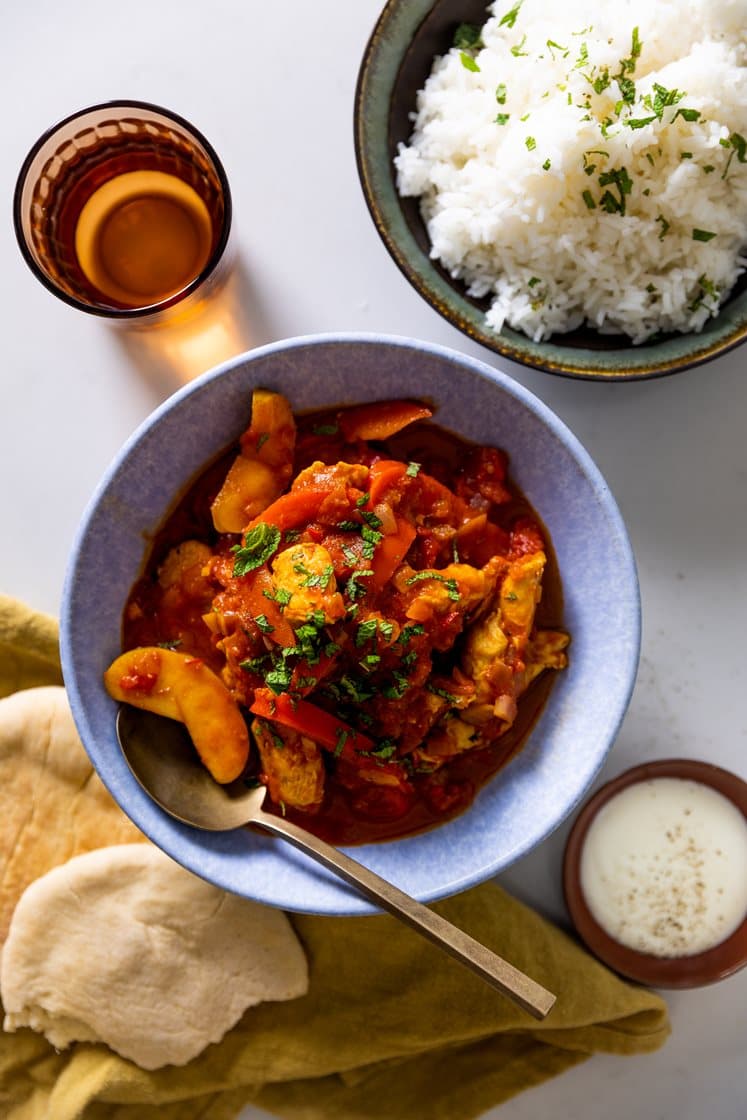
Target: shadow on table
x=169, y=355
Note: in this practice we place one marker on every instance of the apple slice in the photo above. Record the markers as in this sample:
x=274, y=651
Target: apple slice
x=182, y=687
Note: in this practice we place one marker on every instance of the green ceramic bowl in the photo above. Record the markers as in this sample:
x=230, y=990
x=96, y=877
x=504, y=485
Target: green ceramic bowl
x=397, y=60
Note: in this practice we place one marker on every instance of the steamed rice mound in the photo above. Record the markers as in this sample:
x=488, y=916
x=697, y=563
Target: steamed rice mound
x=587, y=163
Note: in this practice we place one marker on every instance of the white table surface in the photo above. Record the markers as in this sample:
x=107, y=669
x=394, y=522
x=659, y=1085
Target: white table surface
x=272, y=86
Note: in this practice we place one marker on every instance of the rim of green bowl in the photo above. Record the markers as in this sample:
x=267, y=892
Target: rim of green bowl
x=378, y=75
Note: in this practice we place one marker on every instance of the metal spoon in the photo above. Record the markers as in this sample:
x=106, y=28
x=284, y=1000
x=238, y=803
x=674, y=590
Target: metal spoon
x=162, y=758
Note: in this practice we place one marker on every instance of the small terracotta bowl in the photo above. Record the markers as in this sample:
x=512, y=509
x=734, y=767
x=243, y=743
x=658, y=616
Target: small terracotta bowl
x=692, y=971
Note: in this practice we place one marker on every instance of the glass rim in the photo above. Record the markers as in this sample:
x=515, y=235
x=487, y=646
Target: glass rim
x=147, y=309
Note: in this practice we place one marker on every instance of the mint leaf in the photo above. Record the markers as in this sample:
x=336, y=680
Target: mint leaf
x=259, y=545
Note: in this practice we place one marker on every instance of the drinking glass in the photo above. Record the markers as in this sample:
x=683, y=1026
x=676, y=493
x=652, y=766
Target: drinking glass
x=123, y=210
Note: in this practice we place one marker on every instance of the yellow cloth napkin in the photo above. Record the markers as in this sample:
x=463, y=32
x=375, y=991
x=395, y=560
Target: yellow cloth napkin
x=391, y=1029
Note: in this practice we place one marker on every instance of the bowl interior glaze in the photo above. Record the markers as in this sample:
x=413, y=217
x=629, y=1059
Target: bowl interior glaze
x=577, y=726
x=395, y=65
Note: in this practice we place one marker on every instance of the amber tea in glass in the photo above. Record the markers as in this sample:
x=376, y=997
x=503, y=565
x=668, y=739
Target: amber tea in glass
x=124, y=210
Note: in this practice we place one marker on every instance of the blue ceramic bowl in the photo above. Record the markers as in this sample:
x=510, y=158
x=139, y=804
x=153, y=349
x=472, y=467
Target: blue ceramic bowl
x=577, y=727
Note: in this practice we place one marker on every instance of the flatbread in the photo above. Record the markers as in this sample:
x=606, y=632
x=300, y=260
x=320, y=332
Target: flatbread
x=124, y=946
x=52, y=803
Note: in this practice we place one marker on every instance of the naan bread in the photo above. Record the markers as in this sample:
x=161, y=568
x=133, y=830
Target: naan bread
x=124, y=946
x=52, y=803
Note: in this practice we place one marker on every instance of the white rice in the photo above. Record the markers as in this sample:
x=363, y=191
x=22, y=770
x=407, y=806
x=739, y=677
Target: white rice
x=507, y=205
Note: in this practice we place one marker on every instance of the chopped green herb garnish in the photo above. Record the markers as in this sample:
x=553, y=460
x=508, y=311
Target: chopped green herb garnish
x=452, y=699
x=517, y=51
x=468, y=62
x=366, y=632
x=556, y=47
x=278, y=679
x=588, y=199
x=531, y=143
x=503, y=118
x=363, y=500
x=534, y=281
x=582, y=59
x=703, y=235
x=342, y=738
x=371, y=519
x=318, y=579
x=413, y=469
x=638, y=122
x=262, y=439
x=627, y=90
x=358, y=691
x=451, y=584
x=384, y=749
x=353, y=590
x=663, y=98
x=410, y=631
x=546, y=165
x=397, y=690
x=264, y=623
x=501, y=93
x=599, y=85
x=664, y=226
x=738, y=146
x=510, y=17
x=619, y=178
x=468, y=37
x=259, y=545
x=326, y=429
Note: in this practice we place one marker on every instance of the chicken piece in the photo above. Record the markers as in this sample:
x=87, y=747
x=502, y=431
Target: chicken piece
x=545, y=650
x=292, y=766
x=501, y=655
x=451, y=737
x=182, y=598
x=263, y=469
x=457, y=587
x=334, y=481
x=328, y=475
x=305, y=572
x=520, y=593
x=184, y=567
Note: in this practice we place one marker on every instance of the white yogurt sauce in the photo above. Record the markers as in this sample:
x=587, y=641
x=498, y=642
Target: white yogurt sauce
x=664, y=867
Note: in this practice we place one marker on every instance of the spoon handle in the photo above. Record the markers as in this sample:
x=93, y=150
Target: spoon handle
x=519, y=987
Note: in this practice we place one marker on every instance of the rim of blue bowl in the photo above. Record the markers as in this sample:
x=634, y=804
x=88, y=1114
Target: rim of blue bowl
x=179, y=841
x=382, y=61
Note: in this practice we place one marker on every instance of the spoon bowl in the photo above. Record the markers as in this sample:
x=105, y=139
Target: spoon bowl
x=160, y=754
x=164, y=761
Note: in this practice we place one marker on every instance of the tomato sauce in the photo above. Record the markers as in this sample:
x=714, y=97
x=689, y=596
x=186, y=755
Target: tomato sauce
x=155, y=616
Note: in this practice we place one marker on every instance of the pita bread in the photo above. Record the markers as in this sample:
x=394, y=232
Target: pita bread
x=52, y=803
x=124, y=946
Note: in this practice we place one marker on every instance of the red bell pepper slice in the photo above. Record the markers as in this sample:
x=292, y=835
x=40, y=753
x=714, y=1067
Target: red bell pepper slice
x=381, y=419
x=390, y=552
x=383, y=475
x=306, y=718
x=292, y=509
x=260, y=603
